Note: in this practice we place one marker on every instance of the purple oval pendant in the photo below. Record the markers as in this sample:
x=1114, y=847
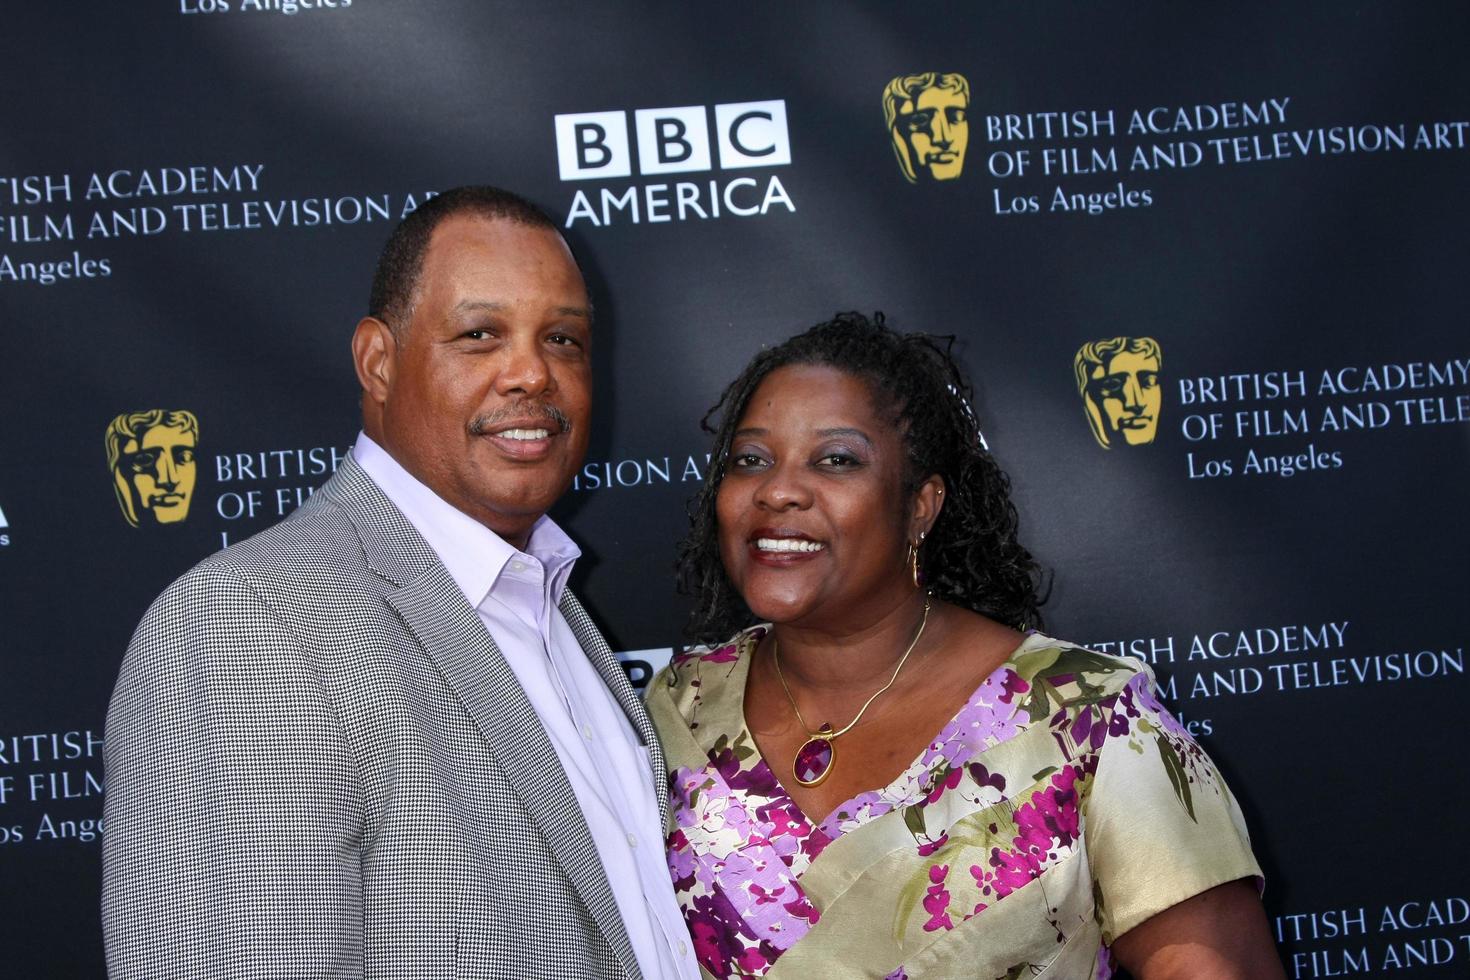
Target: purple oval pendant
x=814, y=759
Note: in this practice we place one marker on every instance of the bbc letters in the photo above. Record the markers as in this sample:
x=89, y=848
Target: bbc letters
x=680, y=147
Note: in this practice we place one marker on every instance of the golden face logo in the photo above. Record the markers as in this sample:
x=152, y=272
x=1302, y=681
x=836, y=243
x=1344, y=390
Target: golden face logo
x=151, y=456
x=1118, y=380
x=928, y=121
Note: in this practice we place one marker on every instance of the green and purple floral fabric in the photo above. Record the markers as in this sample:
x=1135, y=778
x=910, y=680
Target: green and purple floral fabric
x=1061, y=806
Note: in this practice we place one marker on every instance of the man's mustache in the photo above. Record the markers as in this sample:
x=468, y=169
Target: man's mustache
x=520, y=412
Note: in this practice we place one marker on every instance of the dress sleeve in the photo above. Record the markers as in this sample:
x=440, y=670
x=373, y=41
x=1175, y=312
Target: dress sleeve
x=1161, y=824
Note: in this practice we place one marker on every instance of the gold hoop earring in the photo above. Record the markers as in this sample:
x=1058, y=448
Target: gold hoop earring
x=913, y=562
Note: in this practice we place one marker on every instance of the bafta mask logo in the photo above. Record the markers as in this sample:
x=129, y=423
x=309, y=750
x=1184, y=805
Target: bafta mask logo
x=1118, y=380
x=151, y=455
x=927, y=118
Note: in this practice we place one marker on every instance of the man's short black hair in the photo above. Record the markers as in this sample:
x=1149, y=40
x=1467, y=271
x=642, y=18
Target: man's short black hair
x=397, y=276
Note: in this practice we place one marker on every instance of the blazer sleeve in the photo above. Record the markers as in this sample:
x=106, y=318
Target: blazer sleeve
x=233, y=810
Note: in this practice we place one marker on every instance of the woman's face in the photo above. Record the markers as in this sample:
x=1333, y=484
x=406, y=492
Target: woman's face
x=814, y=525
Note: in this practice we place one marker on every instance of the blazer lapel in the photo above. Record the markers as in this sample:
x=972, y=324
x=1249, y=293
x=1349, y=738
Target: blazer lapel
x=616, y=680
x=436, y=612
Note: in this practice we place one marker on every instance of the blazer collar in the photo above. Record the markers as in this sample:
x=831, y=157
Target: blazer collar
x=397, y=552
x=394, y=548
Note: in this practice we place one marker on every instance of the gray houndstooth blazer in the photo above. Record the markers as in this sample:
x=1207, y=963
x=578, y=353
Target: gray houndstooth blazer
x=319, y=764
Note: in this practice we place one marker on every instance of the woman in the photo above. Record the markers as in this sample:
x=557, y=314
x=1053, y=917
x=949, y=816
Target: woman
x=893, y=778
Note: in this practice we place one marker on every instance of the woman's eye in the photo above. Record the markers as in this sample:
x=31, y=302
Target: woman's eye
x=839, y=460
x=745, y=461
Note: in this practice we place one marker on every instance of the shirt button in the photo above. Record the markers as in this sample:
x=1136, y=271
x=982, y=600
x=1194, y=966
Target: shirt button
x=683, y=948
x=518, y=566
x=587, y=732
x=632, y=841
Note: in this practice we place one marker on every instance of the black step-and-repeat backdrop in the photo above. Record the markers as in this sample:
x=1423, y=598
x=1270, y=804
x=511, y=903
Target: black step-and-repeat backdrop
x=1207, y=268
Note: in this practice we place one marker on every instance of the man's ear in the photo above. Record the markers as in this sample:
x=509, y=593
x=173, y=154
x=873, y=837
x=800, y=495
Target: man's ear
x=374, y=355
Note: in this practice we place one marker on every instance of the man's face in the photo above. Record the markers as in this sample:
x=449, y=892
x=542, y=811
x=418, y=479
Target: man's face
x=1129, y=396
x=489, y=388
x=160, y=472
x=938, y=131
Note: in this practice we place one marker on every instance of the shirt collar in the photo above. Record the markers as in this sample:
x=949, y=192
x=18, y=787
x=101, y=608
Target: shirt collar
x=473, y=554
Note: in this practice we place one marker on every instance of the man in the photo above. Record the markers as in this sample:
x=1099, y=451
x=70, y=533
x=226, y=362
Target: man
x=381, y=739
x=1118, y=380
x=151, y=456
x=927, y=116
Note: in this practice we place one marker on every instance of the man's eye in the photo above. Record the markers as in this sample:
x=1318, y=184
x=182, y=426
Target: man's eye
x=183, y=454
x=564, y=340
x=921, y=119
x=476, y=334
x=1112, y=384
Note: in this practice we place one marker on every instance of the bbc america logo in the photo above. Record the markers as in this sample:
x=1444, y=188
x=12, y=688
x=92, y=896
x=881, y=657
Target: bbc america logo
x=675, y=140
x=591, y=145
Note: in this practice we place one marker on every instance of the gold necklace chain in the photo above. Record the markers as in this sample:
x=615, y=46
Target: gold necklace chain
x=828, y=733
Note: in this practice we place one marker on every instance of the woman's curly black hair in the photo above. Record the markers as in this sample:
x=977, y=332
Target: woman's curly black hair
x=971, y=556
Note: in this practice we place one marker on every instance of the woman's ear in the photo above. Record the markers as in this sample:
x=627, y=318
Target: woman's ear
x=927, y=503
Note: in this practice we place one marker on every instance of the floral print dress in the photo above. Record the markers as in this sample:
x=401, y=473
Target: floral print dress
x=1060, y=807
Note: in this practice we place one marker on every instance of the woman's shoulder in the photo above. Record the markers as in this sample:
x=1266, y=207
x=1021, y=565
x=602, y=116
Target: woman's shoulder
x=703, y=674
x=1074, y=674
